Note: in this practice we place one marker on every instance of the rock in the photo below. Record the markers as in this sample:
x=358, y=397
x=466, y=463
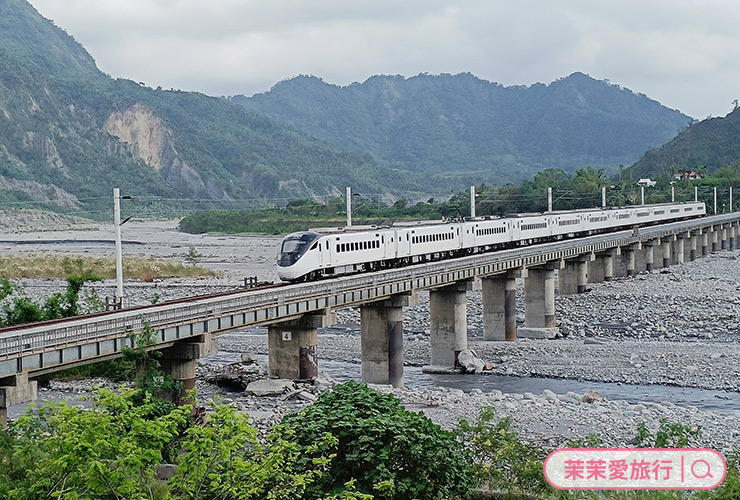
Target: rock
x=470, y=362
x=249, y=358
x=593, y=397
x=307, y=396
x=591, y=341
x=163, y=472
x=549, y=395
x=270, y=387
x=324, y=382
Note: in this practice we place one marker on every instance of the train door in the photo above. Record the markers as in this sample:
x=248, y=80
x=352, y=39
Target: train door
x=325, y=253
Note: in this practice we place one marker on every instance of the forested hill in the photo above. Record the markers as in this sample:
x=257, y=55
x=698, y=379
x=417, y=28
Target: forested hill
x=70, y=133
x=705, y=146
x=457, y=123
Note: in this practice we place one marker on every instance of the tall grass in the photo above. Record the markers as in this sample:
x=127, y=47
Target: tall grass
x=50, y=266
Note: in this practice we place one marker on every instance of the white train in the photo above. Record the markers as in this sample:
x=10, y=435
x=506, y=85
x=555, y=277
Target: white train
x=310, y=255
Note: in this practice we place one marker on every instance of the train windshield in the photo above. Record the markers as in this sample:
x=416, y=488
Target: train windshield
x=294, y=246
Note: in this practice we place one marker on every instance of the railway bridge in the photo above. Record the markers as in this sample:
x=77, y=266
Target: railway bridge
x=183, y=330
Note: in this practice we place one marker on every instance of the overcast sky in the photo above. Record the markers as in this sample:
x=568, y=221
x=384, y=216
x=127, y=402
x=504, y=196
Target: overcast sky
x=684, y=54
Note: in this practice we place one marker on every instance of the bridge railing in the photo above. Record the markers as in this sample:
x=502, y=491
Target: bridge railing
x=24, y=339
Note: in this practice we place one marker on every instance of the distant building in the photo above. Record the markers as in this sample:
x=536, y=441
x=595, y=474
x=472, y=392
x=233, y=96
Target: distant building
x=647, y=182
x=681, y=176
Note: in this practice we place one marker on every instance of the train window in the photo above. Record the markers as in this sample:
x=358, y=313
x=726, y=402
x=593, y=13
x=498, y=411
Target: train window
x=313, y=247
x=382, y=239
x=338, y=250
x=687, y=209
x=675, y=210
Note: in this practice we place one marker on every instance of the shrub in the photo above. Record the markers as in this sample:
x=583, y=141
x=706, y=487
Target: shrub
x=502, y=461
x=382, y=448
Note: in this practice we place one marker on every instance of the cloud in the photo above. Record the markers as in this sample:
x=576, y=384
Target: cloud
x=682, y=53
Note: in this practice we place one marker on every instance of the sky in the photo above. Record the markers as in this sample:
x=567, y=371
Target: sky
x=684, y=54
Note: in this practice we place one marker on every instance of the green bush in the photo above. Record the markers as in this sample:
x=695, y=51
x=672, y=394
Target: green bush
x=388, y=451
x=502, y=461
x=108, y=451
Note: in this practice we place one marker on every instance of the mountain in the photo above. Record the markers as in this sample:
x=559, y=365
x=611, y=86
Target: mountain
x=439, y=124
x=69, y=134
x=709, y=144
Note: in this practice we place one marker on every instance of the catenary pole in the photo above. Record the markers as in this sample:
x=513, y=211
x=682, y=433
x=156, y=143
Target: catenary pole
x=119, y=253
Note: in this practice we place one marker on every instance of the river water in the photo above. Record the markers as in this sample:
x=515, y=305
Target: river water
x=415, y=378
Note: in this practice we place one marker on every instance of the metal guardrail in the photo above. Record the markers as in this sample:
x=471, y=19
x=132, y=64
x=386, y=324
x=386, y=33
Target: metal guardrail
x=274, y=305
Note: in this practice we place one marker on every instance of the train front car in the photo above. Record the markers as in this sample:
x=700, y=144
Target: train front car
x=294, y=260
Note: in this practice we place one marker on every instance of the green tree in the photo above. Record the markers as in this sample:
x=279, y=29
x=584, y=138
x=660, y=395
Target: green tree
x=389, y=451
x=223, y=460
x=107, y=451
x=193, y=257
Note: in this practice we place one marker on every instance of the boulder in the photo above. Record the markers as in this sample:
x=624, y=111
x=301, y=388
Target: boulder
x=248, y=358
x=593, y=397
x=270, y=386
x=469, y=362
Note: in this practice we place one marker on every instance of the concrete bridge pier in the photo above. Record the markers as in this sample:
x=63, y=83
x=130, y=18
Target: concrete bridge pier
x=539, y=301
x=693, y=244
x=179, y=362
x=679, y=249
x=14, y=390
x=737, y=235
x=629, y=258
x=448, y=325
x=573, y=277
x=292, y=345
x=666, y=245
x=499, y=306
x=602, y=268
x=704, y=241
x=715, y=239
x=723, y=237
x=648, y=254
x=382, y=340
x=731, y=236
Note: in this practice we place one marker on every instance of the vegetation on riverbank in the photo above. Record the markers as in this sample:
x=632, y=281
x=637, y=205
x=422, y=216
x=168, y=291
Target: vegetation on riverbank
x=50, y=266
x=580, y=190
x=353, y=443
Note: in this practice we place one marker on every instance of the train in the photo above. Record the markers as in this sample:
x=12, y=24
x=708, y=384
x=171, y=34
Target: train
x=316, y=254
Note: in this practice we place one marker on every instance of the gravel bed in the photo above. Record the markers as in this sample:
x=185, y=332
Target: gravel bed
x=677, y=327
